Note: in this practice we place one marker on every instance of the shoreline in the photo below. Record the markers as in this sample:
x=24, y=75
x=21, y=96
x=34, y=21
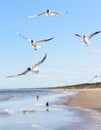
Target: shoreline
x=85, y=99
x=69, y=116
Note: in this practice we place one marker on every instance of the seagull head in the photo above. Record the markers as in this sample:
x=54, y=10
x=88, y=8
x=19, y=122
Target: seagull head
x=32, y=41
x=29, y=68
x=48, y=10
x=84, y=36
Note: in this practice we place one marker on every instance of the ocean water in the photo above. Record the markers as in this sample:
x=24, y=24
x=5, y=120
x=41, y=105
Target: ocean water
x=20, y=109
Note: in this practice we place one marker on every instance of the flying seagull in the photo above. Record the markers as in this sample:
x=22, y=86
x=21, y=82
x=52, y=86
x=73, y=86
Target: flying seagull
x=47, y=13
x=34, y=43
x=87, y=38
x=34, y=68
x=96, y=76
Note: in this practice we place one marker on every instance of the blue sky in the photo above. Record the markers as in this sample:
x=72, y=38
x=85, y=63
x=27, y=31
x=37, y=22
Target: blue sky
x=68, y=60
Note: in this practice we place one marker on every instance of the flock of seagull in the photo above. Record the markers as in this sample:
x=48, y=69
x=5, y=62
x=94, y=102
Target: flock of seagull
x=36, y=46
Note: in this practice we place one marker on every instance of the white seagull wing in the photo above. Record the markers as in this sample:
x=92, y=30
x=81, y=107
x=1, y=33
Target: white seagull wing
x=53, y=12
x=40, y=62
x=39, y=14
x=30, y=17
x=78, y=35
x=90, y=36
x=96, y=76
x=44, y=40
x=19, y=34
x=23, y=73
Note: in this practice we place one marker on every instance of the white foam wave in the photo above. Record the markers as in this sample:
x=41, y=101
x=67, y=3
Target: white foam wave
x=39, y=104
x=37, y=126
x=8, y=111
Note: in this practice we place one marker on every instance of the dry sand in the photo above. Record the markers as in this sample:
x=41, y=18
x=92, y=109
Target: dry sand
x=85, y=98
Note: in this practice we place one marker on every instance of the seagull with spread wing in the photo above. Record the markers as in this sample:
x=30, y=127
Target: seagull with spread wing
x=87, y=38
x=34, y=68
x=96, y=76
x=47, y=13
x=35, y=44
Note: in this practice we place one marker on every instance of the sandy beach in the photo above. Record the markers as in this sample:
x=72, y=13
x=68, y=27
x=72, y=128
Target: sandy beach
x=87, y=102
x=85, y=98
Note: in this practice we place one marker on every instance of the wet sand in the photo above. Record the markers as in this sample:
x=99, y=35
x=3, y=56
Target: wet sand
x=87, y=102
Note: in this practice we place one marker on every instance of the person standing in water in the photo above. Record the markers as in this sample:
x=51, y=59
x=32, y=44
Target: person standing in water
x=37, y=97
x=47, y=106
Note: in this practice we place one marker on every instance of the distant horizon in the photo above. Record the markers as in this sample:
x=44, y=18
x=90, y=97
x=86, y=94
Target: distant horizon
x=71, y=85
